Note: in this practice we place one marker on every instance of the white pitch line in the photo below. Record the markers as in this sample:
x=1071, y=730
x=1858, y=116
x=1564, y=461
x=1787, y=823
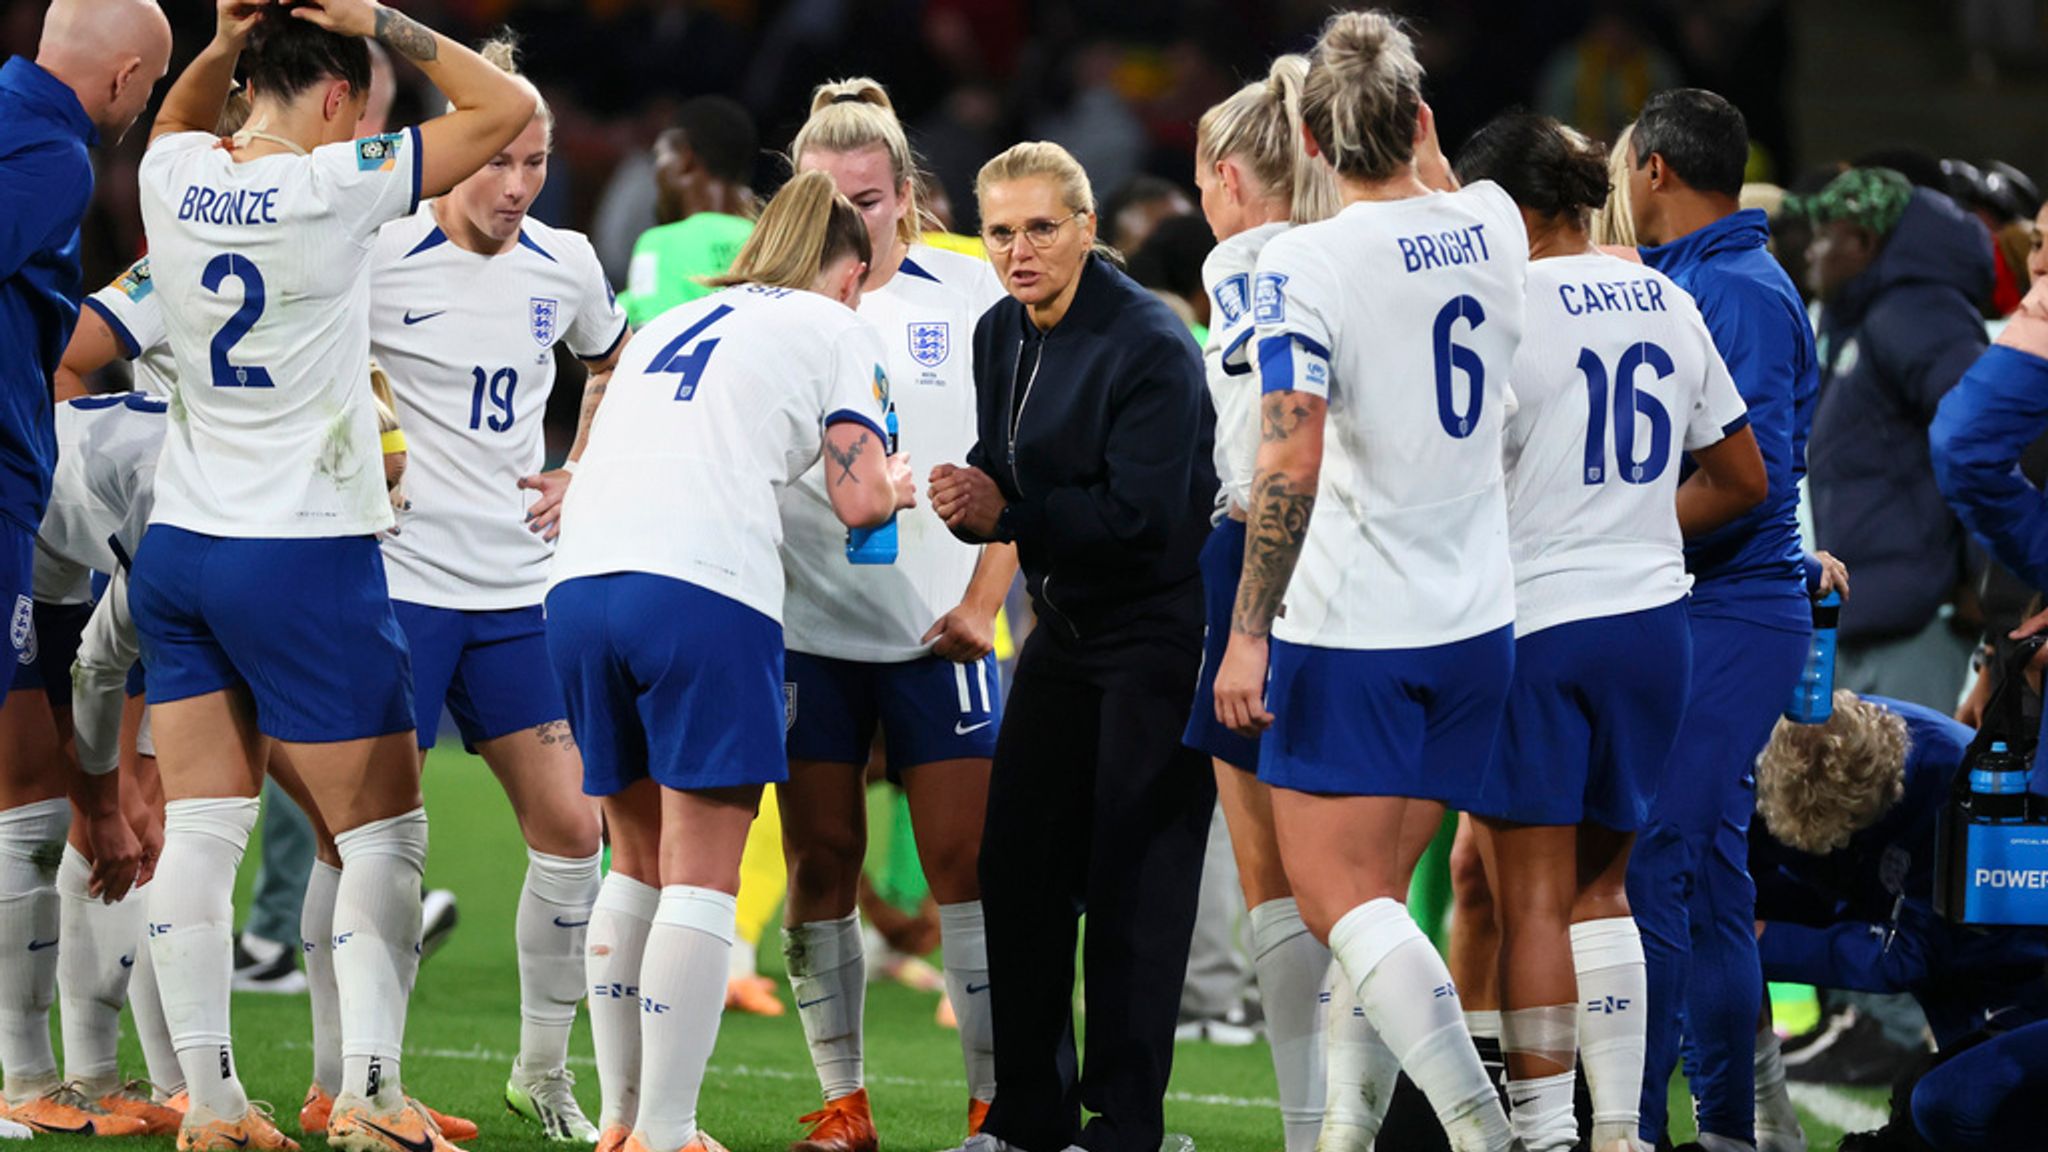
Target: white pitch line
x=1833, y=1106
x=482, y=1055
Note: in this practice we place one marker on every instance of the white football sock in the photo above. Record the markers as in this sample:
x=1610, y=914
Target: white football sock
x=31, y=845
x=828, y=973
x=1362, y=1070
x=963, y=947
x=1541, y=1112
x=554, y=915
x=100, y=941
x=377, y=949
x=316, y=929
x=1290, y=965
x=1777, y=1119
x=1408, y=993
x=191, y=920
x=146, y=1003
x=682, y=998
x=1613, y=993
x=615, y=945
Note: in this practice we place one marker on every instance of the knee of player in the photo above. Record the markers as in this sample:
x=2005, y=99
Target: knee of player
x=1469, y=890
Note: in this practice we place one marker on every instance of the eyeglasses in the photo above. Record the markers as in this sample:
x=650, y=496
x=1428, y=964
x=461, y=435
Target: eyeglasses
x=1041, y=233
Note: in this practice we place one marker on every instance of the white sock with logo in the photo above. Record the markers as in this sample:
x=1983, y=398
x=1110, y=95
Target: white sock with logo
x=1362, y=1070
x=100, y=941
x=31, y=846
x=828, y=973
x=614, y=949
x=553, y=918
x=1613, y=992
x=1291, y=965
x=377, y=950
x=1408, y=993
x=963, y=946
x=682, y=998
x=316, y=928
x=191, y=921
x=146, y=1003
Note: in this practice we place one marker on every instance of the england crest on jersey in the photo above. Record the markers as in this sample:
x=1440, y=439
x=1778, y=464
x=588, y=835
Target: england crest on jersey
x=22, y=632
x=931, y=343
x=543, y=313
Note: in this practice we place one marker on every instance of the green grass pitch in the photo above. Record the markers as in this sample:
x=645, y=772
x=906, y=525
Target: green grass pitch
x=465, y=1026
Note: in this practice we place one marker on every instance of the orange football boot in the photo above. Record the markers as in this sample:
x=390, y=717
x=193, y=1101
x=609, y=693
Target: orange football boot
x=842, y=1125
x=66, y=1111
x=134, y=1099
x=255, y=1130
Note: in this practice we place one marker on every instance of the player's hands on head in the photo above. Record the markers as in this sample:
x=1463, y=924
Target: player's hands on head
x=235, y=19
x=545, y=517
x=1241, y=686
x=966, y=498
x=347, y=17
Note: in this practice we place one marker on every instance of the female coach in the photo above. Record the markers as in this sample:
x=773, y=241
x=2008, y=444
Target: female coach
x=1094, y=458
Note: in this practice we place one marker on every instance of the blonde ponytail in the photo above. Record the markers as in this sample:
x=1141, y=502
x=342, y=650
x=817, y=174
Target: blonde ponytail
x=856, y=114
x=806, y=227
x=1260, y=125
x=1363, y=95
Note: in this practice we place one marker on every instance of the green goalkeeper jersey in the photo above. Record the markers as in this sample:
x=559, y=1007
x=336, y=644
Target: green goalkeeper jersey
x=669, y=261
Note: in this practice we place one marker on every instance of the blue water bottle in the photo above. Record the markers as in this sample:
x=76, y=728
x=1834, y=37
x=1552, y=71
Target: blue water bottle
x=1813, y=700
x=1998, y=786
x=878, y=545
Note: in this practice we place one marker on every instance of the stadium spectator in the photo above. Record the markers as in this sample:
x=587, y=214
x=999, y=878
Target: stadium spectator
x=1093, y=458
x=1688, y=882
x=1898, y=272
x=701, y=169
x=1140, y=206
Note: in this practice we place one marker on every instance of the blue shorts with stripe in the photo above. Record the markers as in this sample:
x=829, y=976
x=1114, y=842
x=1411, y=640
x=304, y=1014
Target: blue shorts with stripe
x=490, y=669
x=1591, y=718
x=667, y=681
x=1414, y=722
x=1222, y=563
x=928, y=710
x=305, y=624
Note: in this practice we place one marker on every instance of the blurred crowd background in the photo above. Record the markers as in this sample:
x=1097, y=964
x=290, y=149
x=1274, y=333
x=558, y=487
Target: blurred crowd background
x=1122, y=82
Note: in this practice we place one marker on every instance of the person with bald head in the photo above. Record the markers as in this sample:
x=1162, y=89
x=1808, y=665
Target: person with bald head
x=91, y=78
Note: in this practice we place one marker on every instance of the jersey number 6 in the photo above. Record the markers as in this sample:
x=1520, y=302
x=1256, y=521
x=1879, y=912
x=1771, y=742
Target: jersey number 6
x=1450, y=356
x=218, y=271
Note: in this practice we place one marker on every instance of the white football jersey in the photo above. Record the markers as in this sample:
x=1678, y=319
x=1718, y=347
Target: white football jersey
x=135, y=313
x=101, y=494
x=263, y=270
x=469, y=344
x=1404, y=315
x=1230, y=359
x=1615, y=377
x=880, y=612
x=719, y=405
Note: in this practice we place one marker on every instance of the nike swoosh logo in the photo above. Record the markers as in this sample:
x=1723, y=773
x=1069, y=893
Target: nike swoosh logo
x=423, y=1144
x=802, y=1004
x=411, y=319
x=38, y=946
x=960, y=729
x=561, y=923
x=1524, y=1102
x=237, y=1141
x=976, y=989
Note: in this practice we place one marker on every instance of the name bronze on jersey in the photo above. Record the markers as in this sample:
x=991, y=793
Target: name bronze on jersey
x=241, y=206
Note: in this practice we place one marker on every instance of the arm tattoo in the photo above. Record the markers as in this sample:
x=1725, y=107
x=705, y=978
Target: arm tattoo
x=1280, y=415
x=406, y=36
x=1279, y=525
x=846, y=459
x=556, y=732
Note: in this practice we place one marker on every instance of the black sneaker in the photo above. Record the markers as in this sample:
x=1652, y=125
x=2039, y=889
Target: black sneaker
x=1859, y=1054
x=267, y=966
x=437, y=920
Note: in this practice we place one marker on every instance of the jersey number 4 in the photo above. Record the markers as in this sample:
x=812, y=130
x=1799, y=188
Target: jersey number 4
x=690, y=365
x=1628, y=404
x=217, y=273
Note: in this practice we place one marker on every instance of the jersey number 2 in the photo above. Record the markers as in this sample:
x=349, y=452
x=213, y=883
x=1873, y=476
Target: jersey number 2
x=218, y=271
x=1628, y=404
x=688, y=365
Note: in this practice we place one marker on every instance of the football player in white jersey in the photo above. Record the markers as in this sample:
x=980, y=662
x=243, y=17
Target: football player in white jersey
x=1256, y=178
x=1392, y=324
x=468, y=299
x=1616, y=386
x=906, y=644
x=259, y=592
x=664, y=617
